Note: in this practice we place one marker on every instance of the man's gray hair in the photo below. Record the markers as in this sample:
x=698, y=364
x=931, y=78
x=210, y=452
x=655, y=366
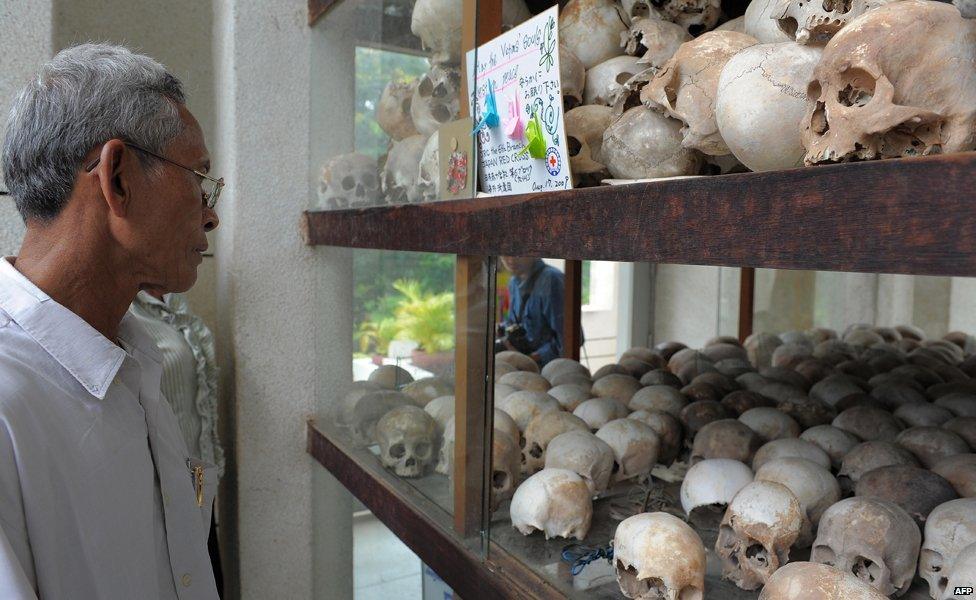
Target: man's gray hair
x=86, y=95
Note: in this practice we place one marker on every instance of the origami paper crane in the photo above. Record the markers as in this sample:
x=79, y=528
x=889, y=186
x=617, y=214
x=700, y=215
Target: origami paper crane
x=489, y=116
x=536, y=144
x=514, y=126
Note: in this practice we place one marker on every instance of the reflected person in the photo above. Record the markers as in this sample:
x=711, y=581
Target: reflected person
x=534, y=324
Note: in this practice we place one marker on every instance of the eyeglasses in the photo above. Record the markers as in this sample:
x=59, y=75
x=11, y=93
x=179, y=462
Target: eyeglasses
x=211, y=187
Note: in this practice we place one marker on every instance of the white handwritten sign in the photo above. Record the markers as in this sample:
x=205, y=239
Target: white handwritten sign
x=522, y=66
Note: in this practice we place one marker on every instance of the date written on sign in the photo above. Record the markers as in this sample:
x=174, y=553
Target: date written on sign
x=963, y=591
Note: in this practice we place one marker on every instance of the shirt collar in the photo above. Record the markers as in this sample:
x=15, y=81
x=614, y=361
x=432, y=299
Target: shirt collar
x=537, y=266
x=77, y=346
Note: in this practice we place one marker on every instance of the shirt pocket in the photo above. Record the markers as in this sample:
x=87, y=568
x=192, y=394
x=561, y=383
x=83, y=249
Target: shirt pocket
x=203, y=477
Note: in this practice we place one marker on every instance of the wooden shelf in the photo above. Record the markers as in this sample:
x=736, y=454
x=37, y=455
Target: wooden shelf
x=912, y=216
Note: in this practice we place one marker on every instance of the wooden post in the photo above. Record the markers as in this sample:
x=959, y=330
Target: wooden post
x=472, y=337
x=572, y=309
x=747, y=287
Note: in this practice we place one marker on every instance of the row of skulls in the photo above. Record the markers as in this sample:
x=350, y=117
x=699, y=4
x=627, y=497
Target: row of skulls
x=792, y=82
x=852, y=446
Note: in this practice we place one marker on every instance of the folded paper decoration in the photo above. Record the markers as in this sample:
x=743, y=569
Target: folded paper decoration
x=489, y=117
x=515, y=125
x=535, y=134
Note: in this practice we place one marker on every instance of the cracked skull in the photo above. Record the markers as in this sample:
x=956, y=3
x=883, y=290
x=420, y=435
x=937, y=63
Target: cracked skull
x=761, y=523
x=591, y=29
x=816, y=22
x=635, y=447
x=657, y=555
x=393, y=110
x=407, y=438
x=949, y=528
x=435, y=99
x=875, y=540
x=882, y=88
x=644, y=144
x=585, y=126
x=687, y=85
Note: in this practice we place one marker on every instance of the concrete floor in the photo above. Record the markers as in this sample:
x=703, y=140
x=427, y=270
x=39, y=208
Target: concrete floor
x=383, y=567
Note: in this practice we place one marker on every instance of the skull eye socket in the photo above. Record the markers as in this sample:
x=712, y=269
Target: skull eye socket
x=573, y=145
x=859, y=89
x=422, y=450
x=536, y=450
x=441, y=114
x=348, y=182
x=788, y=26
x=426, y=87
x=369, y=180
x=499, y=480
x=866, y=570
x=818, y=121
x=405, y=105
x=623, y=77
x=397, y=450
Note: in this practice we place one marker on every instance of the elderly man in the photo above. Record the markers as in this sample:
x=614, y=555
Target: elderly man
x=99, y=497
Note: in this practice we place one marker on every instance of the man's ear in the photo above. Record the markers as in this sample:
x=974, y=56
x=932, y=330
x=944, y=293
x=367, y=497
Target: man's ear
x=115, y=170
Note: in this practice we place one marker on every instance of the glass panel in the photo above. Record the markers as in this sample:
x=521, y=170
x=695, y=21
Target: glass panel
x=380, y=99
x=723, y=413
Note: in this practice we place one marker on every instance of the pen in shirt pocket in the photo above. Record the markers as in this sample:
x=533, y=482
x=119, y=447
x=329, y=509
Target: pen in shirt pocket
x=197, y=469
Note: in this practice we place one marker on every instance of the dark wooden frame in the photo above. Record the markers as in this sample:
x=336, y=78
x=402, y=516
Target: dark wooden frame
x=411, y=517
x=911, y=216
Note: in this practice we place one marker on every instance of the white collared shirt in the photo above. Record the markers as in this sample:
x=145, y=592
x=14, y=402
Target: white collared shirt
x=97, y=497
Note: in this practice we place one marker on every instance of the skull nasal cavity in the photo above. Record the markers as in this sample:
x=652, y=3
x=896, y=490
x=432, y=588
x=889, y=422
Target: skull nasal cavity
x=536, y=451
x=865, y=569
x=757, y=553
x=499, y=479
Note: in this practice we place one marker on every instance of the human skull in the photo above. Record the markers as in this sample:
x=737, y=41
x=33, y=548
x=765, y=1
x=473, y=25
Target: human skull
x=597, y=412
x=429, y=180
x=504, y=468
x=445, y=456
x=660, y=377
x=520, y=361
x=815, y=23
x=761, y=523
x=922, y=415
x=787, y=447
x=960, y=471
x=695, y=16
x=591, y=29
x=709, y=487
x=727, y=438
x=645, y=144
x=349, y=181
x=653, y=41
x=916, y=490
x=868, y=456
x=744, y=400
x=525, y=380
x=342, y=411
x=961, y=572
x=964, y=427
x=438, y=25
x=894, y=394
x=736, y=24
x=664, y=398
x=834, y=388
x=560, y=365
x=814, y=487
x=758, y=22
x=815, y=581
x=867, y=423
x=617, y=386
x=891, y=54
x=523, y=406
x=604, y=80
x=835, y=442
x=770, y=423
x=402, y=170
x=760, y=101
x=583, y=453
x=554, y=501
x=570, y=395
x=572, y=78
x=668, y=430
x=657, y=555
x=503, y=390
x=635, y=447
x=949, y=528
x=422, y=391
x=875, y=540
x=540, y=431
x=441, y=409
x=435, y=99
x=959, y=404
x=760, y=347
x=733, y=367
x=393, y=110
x=585, y=126
x=686, y=87
x=577, y=379
x=363, y=414
x=506, y=424
x=407, y=437
x=806, y=412
x=931, y=444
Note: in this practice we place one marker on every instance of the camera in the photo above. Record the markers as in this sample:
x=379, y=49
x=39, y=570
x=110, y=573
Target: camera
x=516, y=336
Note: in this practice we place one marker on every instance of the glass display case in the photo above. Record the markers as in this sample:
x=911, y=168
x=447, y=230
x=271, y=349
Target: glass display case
x=678, y=322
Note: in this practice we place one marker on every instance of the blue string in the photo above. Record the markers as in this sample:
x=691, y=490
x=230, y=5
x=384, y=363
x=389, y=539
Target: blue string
x=580, y=555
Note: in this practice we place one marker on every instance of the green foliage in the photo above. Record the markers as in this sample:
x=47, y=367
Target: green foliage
x=373, y=271
x=374, y=69
x=424, y=317
x=375, y=336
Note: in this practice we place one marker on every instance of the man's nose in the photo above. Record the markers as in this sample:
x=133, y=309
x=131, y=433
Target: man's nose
x=210, y=219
